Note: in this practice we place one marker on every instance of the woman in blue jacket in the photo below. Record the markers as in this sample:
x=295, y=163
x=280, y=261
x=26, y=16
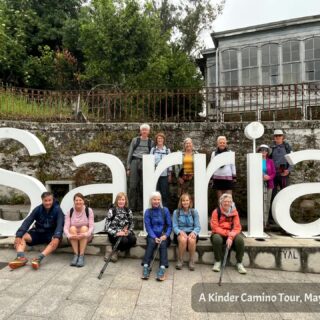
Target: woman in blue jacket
x=186, y=228
x=158, y=226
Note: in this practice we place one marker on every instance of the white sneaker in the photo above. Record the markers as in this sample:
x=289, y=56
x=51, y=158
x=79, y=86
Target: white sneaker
x=217, y=266
x=241, y=268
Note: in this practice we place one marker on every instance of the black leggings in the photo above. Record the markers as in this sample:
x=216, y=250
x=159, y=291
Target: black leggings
x=126, y=242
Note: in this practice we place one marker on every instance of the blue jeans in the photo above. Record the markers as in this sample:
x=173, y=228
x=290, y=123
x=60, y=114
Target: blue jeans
x=163, y=251
x=163, y=188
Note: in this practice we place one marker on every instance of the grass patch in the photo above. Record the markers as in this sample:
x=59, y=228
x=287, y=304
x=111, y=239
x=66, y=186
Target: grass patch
x=23, y=107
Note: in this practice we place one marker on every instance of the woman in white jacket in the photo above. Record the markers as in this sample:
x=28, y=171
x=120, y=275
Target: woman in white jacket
x=225, y=177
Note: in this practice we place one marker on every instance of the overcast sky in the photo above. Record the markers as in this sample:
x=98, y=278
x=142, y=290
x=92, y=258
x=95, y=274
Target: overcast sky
x=243, y=13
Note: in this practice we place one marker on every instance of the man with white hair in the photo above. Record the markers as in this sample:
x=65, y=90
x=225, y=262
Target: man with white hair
x=139, y=146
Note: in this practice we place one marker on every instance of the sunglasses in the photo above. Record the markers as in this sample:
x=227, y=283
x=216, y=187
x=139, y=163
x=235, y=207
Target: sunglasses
x=263, y=150
x=278, y=135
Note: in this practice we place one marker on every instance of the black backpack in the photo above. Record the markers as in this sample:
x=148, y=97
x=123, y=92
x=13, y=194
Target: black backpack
x=219, y=216
x=86, y=209
x=138, y=142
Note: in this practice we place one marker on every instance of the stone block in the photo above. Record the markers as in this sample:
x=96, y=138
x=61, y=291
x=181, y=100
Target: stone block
x=245, y=260
x=186, y=257
x=137, y=252
x=314, y=262
x=290, y=259
x=265, y=260
x=172, y=254
x=11, y=215
x=208, y=258
x=93, y=250
x=65, y=250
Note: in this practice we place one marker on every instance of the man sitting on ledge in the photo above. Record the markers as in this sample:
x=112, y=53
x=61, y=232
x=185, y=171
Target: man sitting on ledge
x=48, y=228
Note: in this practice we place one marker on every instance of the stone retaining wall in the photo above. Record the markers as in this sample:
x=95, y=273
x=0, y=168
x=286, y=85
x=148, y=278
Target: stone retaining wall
x=278, y=252
x=63, y=141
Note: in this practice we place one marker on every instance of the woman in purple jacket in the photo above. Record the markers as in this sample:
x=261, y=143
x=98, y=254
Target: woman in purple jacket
x=269, y=172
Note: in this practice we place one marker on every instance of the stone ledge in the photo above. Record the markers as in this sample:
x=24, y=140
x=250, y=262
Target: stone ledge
x=277, y=252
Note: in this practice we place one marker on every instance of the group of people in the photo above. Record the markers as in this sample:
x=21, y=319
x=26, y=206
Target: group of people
x=275, y=168
x=47, y=223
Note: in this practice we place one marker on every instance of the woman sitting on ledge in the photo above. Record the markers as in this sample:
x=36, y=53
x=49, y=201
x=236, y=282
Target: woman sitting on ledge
x=186, y=227
x=78, y=227
x=119, y=223
x=226, y=228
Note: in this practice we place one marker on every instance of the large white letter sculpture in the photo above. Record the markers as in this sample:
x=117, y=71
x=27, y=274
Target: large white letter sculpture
x=255, y=196
x=253, y=131
x=119, y=181
x=151, y=175
x=29, y=185
x=283, y=200
x=202, y=176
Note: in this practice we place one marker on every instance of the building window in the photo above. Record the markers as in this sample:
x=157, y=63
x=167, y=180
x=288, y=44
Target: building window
x=312, y=59
x=291, y=62
x=270, y=64
x=291, y=73
x=212, y=75
x=229, y=68
x=250, y=77
x=249, y=58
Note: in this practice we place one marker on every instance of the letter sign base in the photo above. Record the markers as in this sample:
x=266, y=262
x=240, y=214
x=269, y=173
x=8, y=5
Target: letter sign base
x=306, y=237
x=263, y=236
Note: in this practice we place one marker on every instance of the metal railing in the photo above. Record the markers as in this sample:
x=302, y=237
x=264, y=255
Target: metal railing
x=243, y=103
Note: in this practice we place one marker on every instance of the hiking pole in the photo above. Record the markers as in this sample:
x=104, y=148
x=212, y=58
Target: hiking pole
x=223, y=265
x=109, y=258
x=155, y=255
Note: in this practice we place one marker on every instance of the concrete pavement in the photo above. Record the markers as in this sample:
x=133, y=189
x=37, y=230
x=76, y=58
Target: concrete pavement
x=58, y=291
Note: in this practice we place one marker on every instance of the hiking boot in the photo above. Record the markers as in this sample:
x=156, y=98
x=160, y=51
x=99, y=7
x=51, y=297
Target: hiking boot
x=18, y=262
x=191, y=265
x=217, y=266
x=80, y=262
x=35, y=263
x=161, y=274
x=179, y=264
x=145, y=273
x=114, y=257
x=241, y=268
x=74, y=261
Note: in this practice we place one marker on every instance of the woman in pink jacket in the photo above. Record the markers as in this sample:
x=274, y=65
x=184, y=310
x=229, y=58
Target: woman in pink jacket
x=78, y=227
x=269, y=172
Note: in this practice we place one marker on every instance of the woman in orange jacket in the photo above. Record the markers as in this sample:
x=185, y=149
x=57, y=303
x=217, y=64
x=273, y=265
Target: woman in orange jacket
x=226, y=228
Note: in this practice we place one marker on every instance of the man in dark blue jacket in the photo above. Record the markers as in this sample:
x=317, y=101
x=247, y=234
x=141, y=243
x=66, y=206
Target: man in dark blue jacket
x=48, y=220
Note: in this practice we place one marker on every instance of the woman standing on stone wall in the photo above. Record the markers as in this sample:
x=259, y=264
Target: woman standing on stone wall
x=159, y=151
x=78, y=227
x=225, y=177
x=186, y=173
x=268, y=172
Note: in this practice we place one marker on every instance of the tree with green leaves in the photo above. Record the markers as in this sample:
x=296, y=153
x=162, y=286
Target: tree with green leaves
x=186, y=19
x=32, y=32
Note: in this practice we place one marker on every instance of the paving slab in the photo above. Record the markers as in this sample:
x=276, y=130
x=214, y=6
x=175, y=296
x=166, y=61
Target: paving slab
x=59, y=291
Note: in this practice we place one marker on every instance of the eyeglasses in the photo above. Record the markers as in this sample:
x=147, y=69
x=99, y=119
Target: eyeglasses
x=263, y=150
x=278, y=135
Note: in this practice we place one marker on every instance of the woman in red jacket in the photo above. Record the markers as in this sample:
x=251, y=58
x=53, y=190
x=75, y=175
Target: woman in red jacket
x=226, y=228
